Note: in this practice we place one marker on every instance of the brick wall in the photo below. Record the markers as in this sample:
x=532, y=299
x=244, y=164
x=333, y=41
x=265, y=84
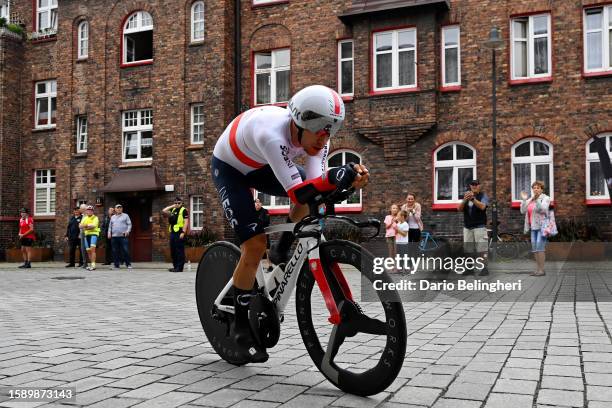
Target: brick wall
x=395, y=135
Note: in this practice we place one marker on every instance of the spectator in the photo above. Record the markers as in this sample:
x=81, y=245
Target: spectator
x=26, y=237
x=91, y=229
x=84, y=259
x=390, y=224
x=413, y=209
x=402, y=228
x=108, y=248
x=474, y=208
x=264, y=219
x=72, y=236
x=178, y=218
x=119, y=230
x=536, y=211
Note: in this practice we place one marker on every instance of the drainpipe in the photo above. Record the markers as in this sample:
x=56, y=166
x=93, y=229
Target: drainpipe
x=237, y=60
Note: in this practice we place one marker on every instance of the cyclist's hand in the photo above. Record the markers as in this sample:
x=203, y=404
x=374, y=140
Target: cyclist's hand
x=363, y=176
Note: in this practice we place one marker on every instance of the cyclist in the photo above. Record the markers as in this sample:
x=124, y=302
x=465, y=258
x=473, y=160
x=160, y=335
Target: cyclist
x=257, y=150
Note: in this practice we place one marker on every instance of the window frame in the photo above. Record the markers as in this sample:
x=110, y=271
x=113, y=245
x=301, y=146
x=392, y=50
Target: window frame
x=605, y=43
x=340, y=61
x=265, y=3
x=193, y=212
x=49, y=187
x=83, y=51
x=454, y=164
x=48, y=9
x=139, y=28
x=194, y=123
x=533, y=161
x=447, y=86
x=272, y=70
x=530, y=39
x=50, y=95
x=374, y=90
x=139, y=128
x=345, y=205
x=81, y=137
x=273, y=208
x=5, y=11
x=594, y=158
x=195, y=39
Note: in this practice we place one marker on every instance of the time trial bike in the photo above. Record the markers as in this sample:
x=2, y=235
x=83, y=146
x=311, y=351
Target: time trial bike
x=359, y=348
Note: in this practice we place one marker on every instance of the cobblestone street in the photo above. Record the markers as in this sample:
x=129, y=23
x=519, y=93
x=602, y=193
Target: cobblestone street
x=134, y=339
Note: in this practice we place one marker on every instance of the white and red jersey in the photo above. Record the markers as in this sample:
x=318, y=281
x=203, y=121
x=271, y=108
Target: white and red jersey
x=262, y=136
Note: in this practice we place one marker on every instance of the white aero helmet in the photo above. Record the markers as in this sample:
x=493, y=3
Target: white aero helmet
x=317, y=108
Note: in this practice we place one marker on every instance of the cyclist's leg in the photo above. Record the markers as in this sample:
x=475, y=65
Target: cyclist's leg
x=239, y=209
x=265, y=181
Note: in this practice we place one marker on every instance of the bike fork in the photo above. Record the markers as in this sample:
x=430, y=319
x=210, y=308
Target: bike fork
x=314, y=263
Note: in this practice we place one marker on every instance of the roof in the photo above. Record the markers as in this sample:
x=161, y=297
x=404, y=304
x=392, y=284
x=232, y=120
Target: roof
x=362, y=7
x=143, y=179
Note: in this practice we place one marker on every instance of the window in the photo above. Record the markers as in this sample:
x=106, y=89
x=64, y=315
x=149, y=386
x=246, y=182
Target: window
x=345, y=68
x=138, y=135
x=81, y=201
x=138, y=38
x=197, y=21
x=531, y=47
x=5, y=11
x=272, y=73
x=340, y=158
x=532, y=159
x=81, y=136
x=451, y=56
x=596, y=184
x=44, y=192
x=83, y=40
x=598, y=39
x=196, y=213
x=46, y=104
x=197, y=124
x=395, y=57
x=272, y=202
x=263, y=2
x=46, y=15
x=454, y=168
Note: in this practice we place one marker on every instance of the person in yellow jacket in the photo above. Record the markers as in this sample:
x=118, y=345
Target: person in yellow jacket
x=91, y=227
x=178, y=220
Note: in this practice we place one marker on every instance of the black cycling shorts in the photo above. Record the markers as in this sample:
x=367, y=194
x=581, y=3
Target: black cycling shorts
x=237, y=200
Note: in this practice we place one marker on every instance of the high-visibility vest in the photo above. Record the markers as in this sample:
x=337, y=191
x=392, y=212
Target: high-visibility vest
x=180, y=222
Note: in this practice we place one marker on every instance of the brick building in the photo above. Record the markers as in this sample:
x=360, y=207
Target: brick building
x=112, y=101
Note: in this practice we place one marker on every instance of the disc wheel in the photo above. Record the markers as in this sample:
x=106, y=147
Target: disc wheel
x=214, y=271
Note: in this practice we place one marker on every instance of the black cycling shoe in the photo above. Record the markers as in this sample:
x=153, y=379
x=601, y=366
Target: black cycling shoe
x=249, y=350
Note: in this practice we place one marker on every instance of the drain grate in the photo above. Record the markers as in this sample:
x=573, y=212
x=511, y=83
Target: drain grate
x=68, y=277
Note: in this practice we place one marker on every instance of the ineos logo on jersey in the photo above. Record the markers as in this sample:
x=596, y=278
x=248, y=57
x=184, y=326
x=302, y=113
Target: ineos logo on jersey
x=285, y=154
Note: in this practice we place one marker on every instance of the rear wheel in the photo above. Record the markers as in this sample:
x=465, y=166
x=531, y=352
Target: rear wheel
x=214, y=271
x=364, y=353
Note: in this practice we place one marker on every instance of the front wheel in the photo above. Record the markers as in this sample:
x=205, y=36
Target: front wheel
x=363, y=353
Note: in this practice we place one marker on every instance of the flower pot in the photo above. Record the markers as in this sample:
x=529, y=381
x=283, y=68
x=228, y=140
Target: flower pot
x=194, y=254
x=38, y=254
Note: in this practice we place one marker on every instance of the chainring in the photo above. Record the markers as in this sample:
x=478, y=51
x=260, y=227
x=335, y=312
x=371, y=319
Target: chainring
x=264, y=321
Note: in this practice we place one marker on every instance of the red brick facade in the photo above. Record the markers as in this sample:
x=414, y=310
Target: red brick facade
x=395, y=134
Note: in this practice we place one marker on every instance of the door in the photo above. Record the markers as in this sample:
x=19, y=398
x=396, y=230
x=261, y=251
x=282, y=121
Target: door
x=141, y=239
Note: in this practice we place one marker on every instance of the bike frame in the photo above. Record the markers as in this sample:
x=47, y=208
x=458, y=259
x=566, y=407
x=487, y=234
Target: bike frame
x=307, y=247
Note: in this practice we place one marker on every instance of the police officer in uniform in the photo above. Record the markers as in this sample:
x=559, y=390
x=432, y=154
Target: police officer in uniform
x=178, y=218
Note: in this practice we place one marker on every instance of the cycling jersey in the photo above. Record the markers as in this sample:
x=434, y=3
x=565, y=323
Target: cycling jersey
x=262, y=136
